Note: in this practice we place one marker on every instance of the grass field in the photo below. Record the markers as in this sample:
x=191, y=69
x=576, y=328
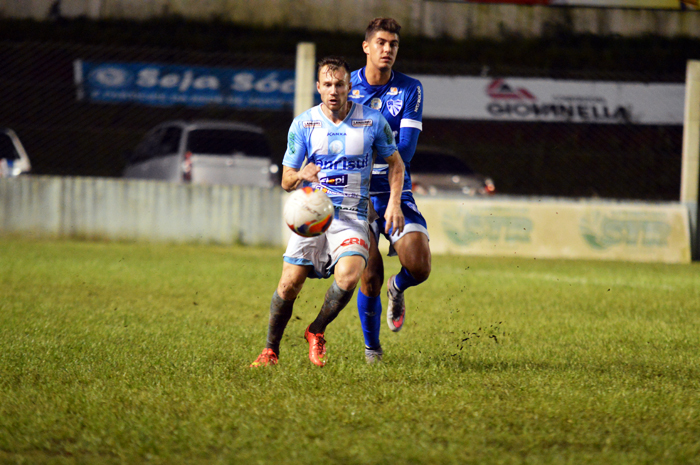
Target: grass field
x=137, y=353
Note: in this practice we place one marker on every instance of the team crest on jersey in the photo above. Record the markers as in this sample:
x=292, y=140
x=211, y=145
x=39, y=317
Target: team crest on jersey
x=356, y=94
x=393, y=91
x=337, y=180
x=311, y=124
x=361, y=123
x=335, y=147
x=394, y=106
x=375, y=103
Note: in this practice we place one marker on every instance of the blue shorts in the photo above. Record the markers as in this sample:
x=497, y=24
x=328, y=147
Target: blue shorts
x=414, y=219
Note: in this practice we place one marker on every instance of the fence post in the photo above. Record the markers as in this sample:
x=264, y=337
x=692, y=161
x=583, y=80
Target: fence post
x=305, y=77
x=691, y=151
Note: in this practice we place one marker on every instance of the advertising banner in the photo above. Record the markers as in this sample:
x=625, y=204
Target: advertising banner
x=558, y=229
x=641, y=4
x=550, y=100
x=449, y=97
x=167, y=85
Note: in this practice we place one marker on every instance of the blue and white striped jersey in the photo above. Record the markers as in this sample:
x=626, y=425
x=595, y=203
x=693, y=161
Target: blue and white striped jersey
x=343, y=151
x=401, y=102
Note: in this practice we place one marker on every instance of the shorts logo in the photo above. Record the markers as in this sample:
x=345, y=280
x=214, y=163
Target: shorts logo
x=361, y=123
x=393, y=91
x=375, y=103
x=394, y=106
x=311, y=124
x=337, y=180
x=355, y=240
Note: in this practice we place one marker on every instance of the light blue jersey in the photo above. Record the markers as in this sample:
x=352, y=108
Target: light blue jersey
x=343, y=151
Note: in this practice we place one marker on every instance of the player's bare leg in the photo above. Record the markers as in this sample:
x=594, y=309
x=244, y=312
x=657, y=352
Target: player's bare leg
x=347, y=274
x=281, y=307
x=369, y=304
x=414, y=254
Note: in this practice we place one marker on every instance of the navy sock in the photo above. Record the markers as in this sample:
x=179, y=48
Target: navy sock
x=370, y=310
x=404, y=280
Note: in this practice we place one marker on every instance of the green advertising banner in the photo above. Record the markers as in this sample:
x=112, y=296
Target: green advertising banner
x=558, y=229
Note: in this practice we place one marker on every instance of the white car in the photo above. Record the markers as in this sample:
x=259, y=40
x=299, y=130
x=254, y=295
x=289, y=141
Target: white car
x=13, y=158
x=204, y=152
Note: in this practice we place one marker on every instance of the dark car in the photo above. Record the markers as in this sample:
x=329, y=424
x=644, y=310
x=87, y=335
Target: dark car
x=438, y=171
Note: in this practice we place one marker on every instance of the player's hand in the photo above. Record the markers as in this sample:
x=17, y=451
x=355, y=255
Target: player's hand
x=395, y=220
x=310, y=173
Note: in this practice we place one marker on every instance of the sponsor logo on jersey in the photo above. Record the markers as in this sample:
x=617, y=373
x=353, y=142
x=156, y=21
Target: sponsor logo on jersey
x=344, y=163
x=337, y=180
x=361, y=123
x=354, y=240
x=356, y=94
x=291, y=146
x=337, y=134
x=311, y=124
x=389, y=134
x=375, y=103
x=335, y=147
x=394, y=106
x=393, y=91
x=419, y=99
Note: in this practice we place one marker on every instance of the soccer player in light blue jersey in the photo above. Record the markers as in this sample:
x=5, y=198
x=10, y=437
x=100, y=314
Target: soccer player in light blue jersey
x=337, y=140
x=400, y=99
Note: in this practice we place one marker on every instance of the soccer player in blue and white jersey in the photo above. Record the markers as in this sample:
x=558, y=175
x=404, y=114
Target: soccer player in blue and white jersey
x=337, y=140
x=400, y=99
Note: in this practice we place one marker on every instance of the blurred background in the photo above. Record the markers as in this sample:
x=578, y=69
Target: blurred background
x=585, y=139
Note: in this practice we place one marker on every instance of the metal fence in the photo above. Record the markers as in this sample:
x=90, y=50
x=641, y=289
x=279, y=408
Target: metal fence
x=67, y=135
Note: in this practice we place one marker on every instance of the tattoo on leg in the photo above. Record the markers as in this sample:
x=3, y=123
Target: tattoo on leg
x=280, y=313
x=336, y=300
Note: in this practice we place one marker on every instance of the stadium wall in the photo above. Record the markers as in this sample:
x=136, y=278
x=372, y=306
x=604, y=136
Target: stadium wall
x=102, y=208
x=115, y=209
x=424, y=18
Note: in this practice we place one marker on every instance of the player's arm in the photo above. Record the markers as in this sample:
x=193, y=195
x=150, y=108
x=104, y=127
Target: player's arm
x=394, y=215
x=293, y=169
x=411, y=123
x=408, y=140
x=292, y=177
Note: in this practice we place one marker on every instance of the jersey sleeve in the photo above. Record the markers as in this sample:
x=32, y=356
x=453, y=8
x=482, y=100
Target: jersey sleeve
x=413, y=109
x=384, y=141
x=296, y=148
x=408, y=140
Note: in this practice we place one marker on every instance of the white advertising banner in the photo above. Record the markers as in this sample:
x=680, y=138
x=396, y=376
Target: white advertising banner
x=550, y=100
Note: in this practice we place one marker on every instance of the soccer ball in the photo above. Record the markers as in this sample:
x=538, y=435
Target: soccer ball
x=308, y=212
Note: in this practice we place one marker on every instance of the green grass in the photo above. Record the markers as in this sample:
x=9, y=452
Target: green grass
x=131, y=353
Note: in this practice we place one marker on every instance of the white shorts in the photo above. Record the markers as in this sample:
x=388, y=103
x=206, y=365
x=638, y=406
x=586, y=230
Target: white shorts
x=345, y=237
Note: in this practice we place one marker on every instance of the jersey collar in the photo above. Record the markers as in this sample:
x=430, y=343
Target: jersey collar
x=364, y=79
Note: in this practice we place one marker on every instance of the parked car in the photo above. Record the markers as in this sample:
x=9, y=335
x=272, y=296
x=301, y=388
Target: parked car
x=13, y=158
x=439, y=171
x=204, y=152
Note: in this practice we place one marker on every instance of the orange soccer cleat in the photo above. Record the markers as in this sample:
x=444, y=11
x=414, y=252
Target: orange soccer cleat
x=267, y=358
x=317, y=348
